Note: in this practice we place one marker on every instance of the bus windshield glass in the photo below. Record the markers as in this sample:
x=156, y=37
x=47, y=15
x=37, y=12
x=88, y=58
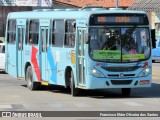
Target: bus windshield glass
x=122, y=44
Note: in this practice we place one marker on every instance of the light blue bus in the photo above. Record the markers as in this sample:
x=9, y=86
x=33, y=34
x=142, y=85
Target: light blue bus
x=156, y=51
x=87, y=48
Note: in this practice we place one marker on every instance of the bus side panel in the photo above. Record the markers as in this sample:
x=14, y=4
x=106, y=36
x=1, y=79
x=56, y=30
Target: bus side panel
x=11, y=59
x=58, y=60
x=52, y=66
x=31, y=56
x=34, y=58
x=56, y=66
x=63, y=60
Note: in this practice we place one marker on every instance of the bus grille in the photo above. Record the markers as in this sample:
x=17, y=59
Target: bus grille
x=121, y=69
x=121, y=82
x=118, y=75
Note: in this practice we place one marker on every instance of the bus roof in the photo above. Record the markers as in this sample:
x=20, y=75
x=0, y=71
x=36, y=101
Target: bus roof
x=65, y=13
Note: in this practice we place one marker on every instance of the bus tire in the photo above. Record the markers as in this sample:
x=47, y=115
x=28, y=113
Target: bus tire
x=126, y=91
x=29, y=79
x=153, y=61
x=74, y=91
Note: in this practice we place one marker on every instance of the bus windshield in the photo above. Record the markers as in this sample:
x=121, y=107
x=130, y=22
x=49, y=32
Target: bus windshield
x=122, y=44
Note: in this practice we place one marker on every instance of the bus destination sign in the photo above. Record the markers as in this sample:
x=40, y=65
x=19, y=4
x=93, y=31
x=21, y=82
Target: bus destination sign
x=119, y=19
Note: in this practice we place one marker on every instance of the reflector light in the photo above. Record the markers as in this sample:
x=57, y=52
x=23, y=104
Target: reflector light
x=142, y=82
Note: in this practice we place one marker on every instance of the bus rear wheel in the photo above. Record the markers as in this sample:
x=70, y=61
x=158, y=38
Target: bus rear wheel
x=74, y=91
x=29, y=79
x=126, y=91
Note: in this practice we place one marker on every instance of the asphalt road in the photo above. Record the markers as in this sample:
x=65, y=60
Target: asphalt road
x=15, y=96
x=156, y=69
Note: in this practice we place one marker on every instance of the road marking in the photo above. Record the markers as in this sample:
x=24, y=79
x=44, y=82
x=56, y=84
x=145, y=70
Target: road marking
x=17, y=106
x=6, y=106
x=133, y=104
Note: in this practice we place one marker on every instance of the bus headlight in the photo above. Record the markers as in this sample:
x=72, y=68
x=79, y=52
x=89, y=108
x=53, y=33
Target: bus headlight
x=144, y=72
x=147, y=70
x=96, y=72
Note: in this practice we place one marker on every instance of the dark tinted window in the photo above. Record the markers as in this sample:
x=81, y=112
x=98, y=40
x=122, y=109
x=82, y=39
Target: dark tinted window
x=58, y=32
x=70, y=30
x=11, y=32
x=33, y=32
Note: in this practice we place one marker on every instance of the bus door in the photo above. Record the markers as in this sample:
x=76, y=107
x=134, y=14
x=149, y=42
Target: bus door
x=20, y=55
x=44, y=32
x=81, y=56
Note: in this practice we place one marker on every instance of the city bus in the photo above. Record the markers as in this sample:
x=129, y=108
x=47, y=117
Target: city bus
x=88, y=48
x=156, y=51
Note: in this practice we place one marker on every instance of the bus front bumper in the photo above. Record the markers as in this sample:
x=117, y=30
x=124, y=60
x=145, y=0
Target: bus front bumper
x=132, y=82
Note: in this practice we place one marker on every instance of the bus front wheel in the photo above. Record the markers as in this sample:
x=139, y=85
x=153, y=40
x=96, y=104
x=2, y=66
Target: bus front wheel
x=29, y=79
x=74, y=91
x=126, y=91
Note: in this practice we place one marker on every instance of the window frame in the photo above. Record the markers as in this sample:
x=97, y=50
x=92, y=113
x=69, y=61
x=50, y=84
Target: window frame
x=69, y=34
x=11, y=30
x=33, y=32
x=57, y=33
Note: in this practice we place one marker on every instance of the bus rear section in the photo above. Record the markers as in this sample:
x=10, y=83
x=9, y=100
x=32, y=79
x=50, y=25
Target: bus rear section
x=119, y=52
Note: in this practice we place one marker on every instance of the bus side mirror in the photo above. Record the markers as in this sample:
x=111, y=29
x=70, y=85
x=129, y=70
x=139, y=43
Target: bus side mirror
x=153, y=38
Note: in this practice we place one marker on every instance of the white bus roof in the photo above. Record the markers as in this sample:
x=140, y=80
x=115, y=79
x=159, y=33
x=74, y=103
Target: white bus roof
x=65, y=13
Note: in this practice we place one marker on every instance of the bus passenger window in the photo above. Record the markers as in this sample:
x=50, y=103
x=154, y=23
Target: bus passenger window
x=70, y=33
x=33, y=32
x=59, y=32
x=11, y=31
x=19, y=39
x=53, y=34
x=53, y=39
